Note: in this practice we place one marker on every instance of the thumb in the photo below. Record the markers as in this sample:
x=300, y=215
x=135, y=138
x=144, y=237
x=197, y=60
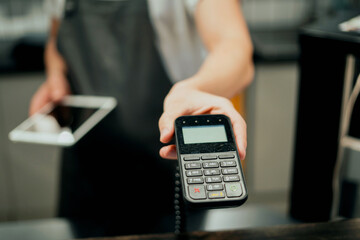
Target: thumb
x=40, y=99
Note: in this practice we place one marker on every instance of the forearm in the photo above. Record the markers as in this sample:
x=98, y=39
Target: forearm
x=56, y=86
x=54, y=63
x=56, y=83
x=227, y=70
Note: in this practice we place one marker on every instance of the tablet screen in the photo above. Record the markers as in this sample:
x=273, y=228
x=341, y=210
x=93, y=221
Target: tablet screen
x=68, y=118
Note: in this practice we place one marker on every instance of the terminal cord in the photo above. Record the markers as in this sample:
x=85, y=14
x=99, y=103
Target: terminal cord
x=179, y=207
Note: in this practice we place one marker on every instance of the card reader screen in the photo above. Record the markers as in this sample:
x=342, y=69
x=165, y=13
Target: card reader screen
x=204, y=134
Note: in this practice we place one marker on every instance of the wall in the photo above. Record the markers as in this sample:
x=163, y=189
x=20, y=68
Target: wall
x=28, y=173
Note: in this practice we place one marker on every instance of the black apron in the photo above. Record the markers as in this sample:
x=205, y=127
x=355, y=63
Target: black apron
x=114, y=178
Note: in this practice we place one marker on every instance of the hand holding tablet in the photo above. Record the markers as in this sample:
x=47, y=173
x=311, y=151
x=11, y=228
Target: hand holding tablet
x=63, y=123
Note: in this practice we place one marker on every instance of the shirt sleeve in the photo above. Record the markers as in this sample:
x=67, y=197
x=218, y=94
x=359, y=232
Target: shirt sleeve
x=177, y=39
x=54, y=8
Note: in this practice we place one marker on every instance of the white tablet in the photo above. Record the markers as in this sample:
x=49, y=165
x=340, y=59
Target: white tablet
x=64, y=123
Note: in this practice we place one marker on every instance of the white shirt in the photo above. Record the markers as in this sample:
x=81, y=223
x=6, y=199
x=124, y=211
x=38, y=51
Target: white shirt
x=178, y=42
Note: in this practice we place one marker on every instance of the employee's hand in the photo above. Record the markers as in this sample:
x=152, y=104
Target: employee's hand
x=53, y=89
x=183, y=99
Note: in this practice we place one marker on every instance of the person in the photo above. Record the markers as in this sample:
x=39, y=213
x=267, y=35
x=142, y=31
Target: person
x=160, y=59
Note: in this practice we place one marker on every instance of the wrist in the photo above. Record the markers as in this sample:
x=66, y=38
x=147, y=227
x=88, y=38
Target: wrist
x=56, y=69
x=54, y=62
x=189, y=83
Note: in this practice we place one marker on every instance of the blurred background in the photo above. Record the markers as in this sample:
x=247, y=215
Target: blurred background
x=29, y=173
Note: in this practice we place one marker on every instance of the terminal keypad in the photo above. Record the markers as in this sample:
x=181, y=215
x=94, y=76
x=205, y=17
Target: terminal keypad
x=212, y=176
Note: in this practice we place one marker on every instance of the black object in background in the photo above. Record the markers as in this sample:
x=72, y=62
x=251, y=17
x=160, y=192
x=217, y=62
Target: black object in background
x=28, y=53
x=322, y=63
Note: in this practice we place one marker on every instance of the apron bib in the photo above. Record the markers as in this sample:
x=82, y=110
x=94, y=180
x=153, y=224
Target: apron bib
x=114, y=175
